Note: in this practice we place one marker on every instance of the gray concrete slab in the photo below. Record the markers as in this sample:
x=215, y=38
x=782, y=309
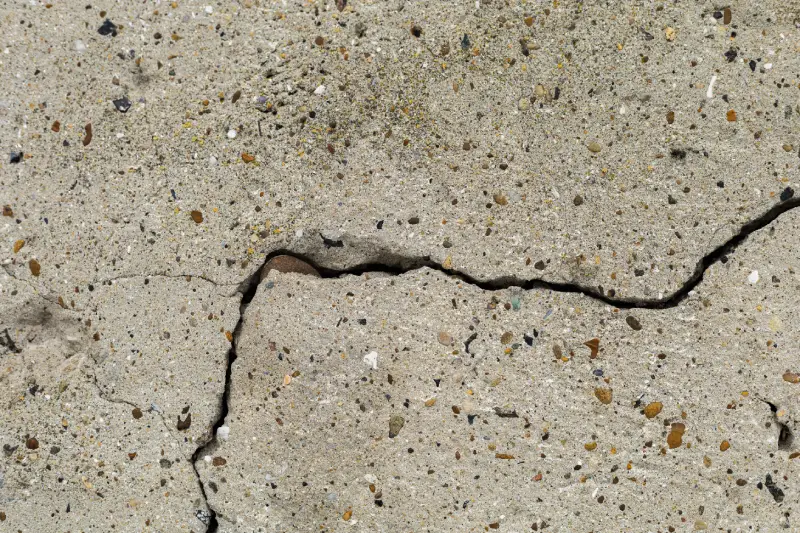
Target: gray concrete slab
x=156, y=154
x=73, y=458
x=459, y=143
x=419, y=402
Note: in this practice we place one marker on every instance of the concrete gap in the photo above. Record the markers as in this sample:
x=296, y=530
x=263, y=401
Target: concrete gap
x=248, y=289
x=396, y=264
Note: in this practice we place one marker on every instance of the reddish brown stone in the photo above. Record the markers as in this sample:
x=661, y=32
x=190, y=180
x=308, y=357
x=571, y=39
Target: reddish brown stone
x=287, y=263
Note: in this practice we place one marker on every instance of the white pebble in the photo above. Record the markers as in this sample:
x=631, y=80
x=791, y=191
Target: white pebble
x=753, y=277
x=319, y=91
x=79, y=46
x=231, y=134
x=209, y=9
x=710, y=91
x=223, y=432
x=372, y=359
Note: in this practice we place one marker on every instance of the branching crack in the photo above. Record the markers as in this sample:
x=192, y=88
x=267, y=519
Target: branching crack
x=398, y=265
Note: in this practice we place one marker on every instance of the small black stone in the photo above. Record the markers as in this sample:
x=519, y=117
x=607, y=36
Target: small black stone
x=731, y=55
x=787, y=193
x=122, y=104
x=774, y=490
x=752, y=65
x=16, y=157
x=108, y=28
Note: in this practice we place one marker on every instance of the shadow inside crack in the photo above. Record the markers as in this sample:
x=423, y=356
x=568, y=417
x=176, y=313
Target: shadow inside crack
x=248, y=290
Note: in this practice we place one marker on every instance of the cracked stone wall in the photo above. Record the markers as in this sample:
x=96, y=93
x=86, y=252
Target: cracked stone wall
x=537, y=267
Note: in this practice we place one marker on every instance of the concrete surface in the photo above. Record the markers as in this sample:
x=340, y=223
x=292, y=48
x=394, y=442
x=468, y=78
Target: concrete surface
x=355, y=404
x=75, y=459
x=156, y=154
x=483, y=171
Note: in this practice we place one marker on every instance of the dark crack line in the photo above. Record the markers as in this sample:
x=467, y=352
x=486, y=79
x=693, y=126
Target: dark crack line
x=398, y=265
x=248, y=289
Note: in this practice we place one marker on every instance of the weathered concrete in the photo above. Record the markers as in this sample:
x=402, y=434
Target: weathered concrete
x=74, y=458
x=478, y=156
x=157, y=154
x=356, y=402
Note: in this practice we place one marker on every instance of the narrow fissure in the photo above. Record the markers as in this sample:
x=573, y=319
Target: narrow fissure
x=248, y=289
x=401, y=265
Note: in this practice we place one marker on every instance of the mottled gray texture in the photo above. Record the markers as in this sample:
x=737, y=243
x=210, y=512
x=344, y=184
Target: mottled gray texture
x=309, y=420
x=651, y=206
x=155, y=154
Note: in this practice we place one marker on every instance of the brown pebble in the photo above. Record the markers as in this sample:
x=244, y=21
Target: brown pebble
x=791, y=377
x=56, y=127
x=652, y=409
x=578, y=200
x=506, y=338
x=675, y=437
x=88, y=137
x=319, y=41
x=731, y=116
x=184, y=424
x=604, y=395
x=219, y=461
x=724, y=445
x=32, y=444
x=670, y=117
x=18, y=245
x=347, y=515
x=726, y=15
x=633, y=322
x=445, y=338
x=499, y=199
x=594, y=147
x=528, y=21
x=594, y=347
x=35, y=267
x=247, y=158
x=236, y=96
x=7, y=211
x=286, y=264
x=137, y=413
x=197, y=216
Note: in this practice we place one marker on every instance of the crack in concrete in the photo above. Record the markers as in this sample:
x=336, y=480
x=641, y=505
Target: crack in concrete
x=247, y=297
x=402, y=265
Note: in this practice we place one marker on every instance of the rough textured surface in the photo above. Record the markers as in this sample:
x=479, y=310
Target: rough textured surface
x=460, y=143
x=514, y=407
x=73, y=458
x=156, y=155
